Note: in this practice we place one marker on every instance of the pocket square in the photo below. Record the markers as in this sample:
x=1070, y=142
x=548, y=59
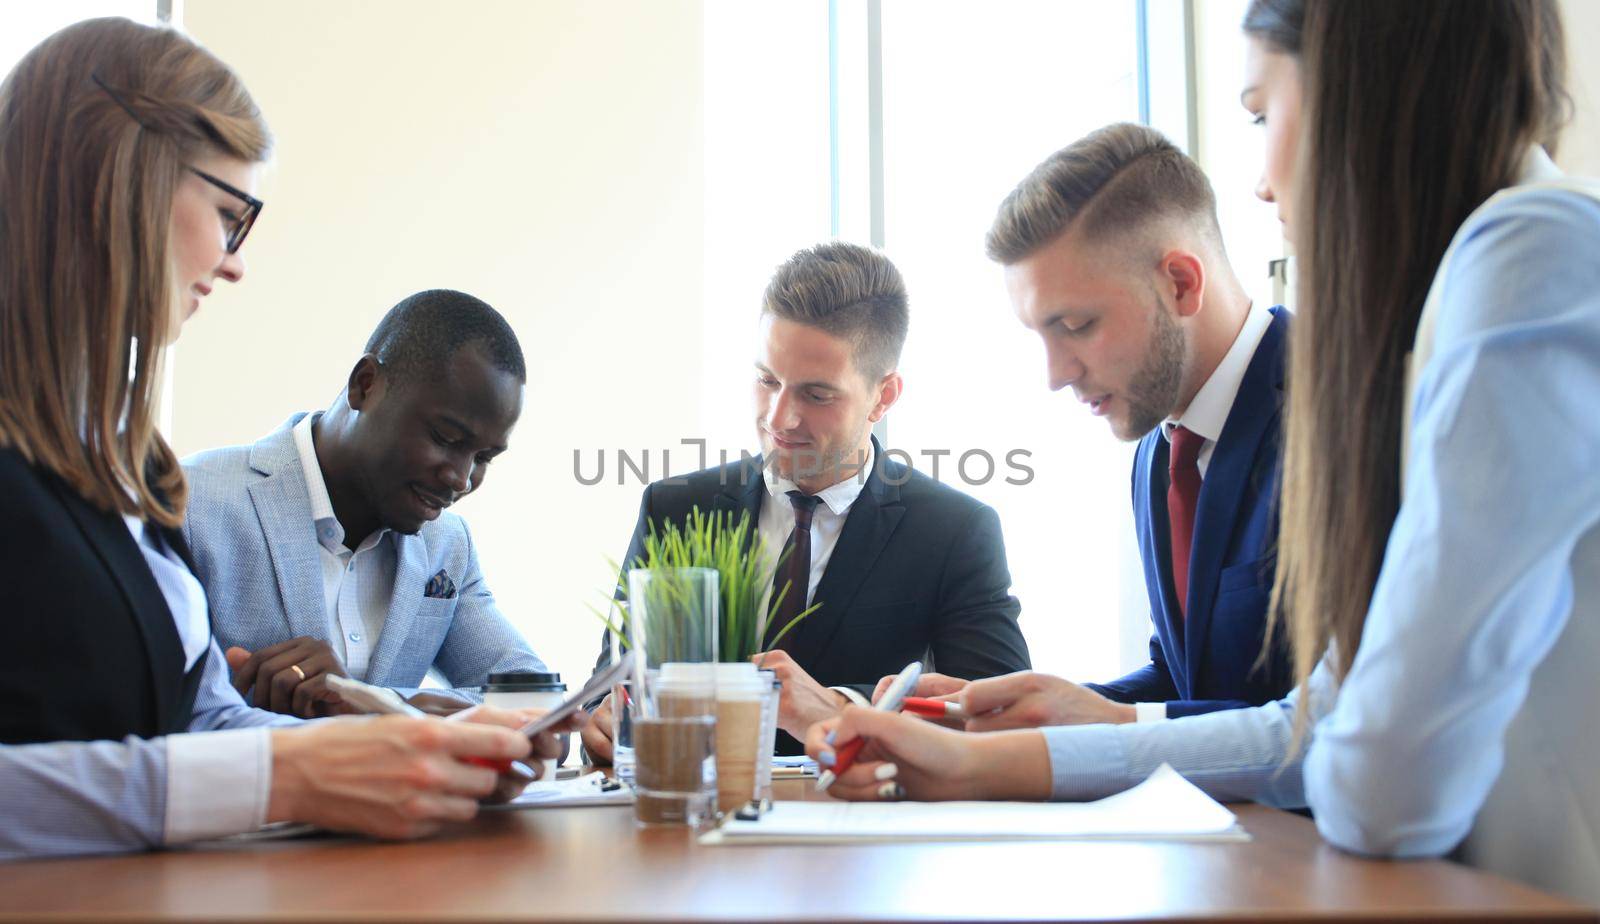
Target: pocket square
x=440, y=586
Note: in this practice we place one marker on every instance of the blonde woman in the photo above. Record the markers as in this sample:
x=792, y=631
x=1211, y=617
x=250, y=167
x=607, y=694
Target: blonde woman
x=128, y=157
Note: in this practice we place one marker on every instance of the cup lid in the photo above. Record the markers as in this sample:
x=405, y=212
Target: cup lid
x=526, y=678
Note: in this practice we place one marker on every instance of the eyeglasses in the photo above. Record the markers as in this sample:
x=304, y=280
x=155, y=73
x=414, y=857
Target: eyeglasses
x=247, y=218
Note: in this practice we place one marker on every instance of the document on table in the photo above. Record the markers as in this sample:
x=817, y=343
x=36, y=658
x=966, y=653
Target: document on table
x=1164, y=807
x=589, y=789
x=793, y=768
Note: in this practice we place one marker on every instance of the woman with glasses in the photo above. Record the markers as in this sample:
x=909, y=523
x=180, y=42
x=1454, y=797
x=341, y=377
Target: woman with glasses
x=1439, y=558
x=127, y=159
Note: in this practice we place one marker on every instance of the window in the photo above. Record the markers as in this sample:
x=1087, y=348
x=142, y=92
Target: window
x=974, y=98
x=904, y=123
x=26, y=24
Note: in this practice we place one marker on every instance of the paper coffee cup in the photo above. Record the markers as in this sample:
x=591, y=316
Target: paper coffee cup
x=527, y=690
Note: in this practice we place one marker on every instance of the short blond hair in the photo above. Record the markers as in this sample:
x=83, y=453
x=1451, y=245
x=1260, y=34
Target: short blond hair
x=850, y=291
x=1112, y=181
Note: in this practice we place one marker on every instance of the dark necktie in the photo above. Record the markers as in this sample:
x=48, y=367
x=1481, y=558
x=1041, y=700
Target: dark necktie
x=1183, y=493
x=795, y=571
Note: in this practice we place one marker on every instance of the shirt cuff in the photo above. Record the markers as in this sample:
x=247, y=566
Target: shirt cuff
x=1086, y=761
x=1149, y=712
x=854, y=696
x=218, y=783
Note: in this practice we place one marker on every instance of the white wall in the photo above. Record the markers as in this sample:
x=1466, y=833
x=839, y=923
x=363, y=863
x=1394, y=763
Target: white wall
x=545, y=156
x=1580, y=146
x=1231, y=149
x=552, y=157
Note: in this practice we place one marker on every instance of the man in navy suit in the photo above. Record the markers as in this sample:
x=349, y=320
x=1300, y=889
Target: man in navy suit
x=1113, y=256
x=904, y=568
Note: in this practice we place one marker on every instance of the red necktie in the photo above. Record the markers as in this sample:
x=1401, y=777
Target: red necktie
x=1183, y=493
x=796, y=571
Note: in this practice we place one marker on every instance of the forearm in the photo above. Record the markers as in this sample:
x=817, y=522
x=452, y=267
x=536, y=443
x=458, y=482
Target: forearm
x=82, y=798
x=1241, y=754
x=1012, y=766
x=109, y=797
x=1149, y=684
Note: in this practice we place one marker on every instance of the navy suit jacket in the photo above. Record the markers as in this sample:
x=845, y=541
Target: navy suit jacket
x=1207, y=660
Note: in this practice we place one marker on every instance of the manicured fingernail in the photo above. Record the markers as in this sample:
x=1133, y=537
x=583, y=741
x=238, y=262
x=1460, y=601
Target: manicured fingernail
x=825, y=758
x=886, y=772
x=891, y=791
x=828, y=739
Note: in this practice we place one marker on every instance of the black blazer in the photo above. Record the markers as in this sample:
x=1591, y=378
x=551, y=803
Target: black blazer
x=919, y=574
x=91, y=650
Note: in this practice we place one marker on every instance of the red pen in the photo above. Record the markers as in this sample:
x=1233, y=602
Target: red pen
x=845, y=755
x=933, y=708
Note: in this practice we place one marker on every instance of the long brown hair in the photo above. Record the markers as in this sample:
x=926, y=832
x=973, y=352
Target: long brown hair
x=1414, y=113
x=97, y=124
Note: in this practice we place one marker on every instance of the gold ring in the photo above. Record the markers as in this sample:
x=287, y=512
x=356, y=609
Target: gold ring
x=297, y=670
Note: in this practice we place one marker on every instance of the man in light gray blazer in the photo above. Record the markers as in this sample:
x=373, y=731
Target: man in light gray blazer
x=325, y=547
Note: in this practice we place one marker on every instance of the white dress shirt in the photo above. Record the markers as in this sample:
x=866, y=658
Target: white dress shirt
x=357, y=586
x=776, y=522
x=218, y=782
x=181, y=589
x=1207, y=414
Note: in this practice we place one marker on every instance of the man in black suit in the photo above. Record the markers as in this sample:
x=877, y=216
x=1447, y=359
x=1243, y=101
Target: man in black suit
x=905, y=568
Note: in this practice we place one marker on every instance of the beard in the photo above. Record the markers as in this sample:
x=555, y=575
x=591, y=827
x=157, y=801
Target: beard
x=1153, y=392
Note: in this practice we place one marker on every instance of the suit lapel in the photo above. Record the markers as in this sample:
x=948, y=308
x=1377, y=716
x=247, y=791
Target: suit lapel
x=283, y=509
x=1255, y=412
x=116, y=547
x=743, y=495
x=410, y=578
x=868, y=525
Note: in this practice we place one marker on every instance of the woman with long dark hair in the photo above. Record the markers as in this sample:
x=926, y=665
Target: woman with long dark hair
x=1439, y=569
x=128, y=157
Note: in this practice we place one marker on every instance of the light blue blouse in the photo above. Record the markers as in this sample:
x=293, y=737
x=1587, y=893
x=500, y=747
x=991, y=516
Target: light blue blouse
x=1495, y=555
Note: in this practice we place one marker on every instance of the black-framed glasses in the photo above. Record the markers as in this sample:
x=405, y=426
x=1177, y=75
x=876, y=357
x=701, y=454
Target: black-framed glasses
x=246, y=219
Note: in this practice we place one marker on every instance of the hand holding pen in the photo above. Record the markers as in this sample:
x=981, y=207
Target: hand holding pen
x=903, y=684
x=906, y=757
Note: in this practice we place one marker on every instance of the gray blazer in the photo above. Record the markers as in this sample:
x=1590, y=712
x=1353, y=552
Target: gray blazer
x=255, y=549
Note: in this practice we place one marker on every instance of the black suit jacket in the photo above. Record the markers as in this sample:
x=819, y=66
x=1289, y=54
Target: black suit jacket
x=919, y=574
x=91, y=650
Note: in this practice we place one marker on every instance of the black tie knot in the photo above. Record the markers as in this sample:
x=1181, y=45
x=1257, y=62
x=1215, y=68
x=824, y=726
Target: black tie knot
x=804, y=506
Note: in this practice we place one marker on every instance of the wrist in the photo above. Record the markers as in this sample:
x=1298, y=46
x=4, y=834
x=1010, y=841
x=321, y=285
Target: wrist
x=1009, y=766
x=287, y=782
x=1124, y=714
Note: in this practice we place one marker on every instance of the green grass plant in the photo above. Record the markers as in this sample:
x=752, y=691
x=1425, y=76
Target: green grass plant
x=735, y=550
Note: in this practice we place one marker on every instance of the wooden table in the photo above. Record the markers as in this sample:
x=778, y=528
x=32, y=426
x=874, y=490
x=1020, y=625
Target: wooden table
x=592, y=864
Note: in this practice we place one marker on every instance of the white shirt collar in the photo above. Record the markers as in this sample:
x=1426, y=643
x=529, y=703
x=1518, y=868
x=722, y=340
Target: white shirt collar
x=1537, y=167
x=321, y=505
x=1208, y=413
x=330, y=532
x=838, y=497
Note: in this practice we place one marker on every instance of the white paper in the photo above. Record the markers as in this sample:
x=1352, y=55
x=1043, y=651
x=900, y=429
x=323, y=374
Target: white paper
x=793, y=768
x=1164, y=807
x=583, y=790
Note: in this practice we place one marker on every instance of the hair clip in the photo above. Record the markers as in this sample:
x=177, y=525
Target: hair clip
x=117, y=98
